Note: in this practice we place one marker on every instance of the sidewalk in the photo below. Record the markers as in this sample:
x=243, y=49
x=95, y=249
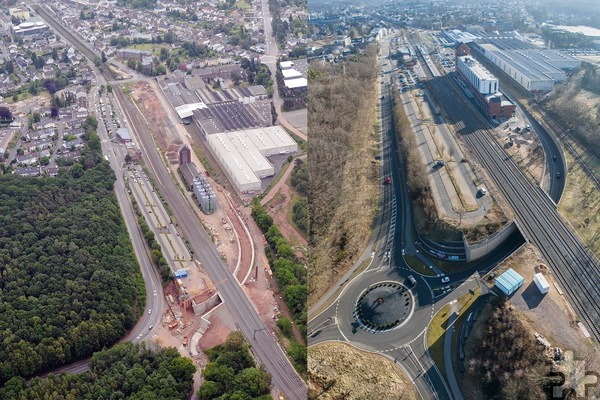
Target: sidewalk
x=448, y=352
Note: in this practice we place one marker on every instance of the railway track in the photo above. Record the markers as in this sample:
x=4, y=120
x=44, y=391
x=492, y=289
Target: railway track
x=84, y=47
x=537, y=216
x=567, y=139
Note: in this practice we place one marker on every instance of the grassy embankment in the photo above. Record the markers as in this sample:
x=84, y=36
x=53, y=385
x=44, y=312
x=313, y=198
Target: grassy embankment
x=344, y=182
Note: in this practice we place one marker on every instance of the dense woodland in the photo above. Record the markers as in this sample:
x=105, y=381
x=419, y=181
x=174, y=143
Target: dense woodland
x=343, y=173
x=299, y=181
x=69, y=281
x=291, y=278
x=231, y=373
x=126, y=371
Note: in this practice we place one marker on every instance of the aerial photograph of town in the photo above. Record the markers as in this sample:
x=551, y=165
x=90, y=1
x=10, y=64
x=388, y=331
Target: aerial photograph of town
x=292, y=200
x=154, y=199
x=454, y=202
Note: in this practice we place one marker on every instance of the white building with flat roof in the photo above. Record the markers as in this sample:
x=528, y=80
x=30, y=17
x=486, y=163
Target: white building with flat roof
x=296, y=83
x=243, y=154
x=286, y=64
x=238, y=171
x=480, y=78
x=291, y=73
x=535, y=69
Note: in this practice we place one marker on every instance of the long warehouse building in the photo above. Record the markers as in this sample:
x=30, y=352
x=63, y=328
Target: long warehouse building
x=243, y=154
x=535, y=70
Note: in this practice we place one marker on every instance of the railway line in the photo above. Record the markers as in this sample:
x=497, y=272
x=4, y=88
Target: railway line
x=567, y=141
x=264, y=345
x=536, y=214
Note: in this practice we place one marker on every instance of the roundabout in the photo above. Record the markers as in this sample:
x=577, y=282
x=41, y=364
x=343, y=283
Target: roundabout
x=383, y=306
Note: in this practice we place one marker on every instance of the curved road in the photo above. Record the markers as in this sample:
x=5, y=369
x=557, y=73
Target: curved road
x=406, y=344
x=263, y=343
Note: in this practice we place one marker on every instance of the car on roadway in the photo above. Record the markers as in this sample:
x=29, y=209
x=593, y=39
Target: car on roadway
x=445, y=279
x=554, y=157
x=558, y=174
x=412, y=280
x=150, y=327
x=388, y=181
x=150, y=311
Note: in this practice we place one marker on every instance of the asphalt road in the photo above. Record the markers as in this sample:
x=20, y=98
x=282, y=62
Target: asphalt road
x=263, y=343
x=576, y=269
x=405, y=344
x=338, y=321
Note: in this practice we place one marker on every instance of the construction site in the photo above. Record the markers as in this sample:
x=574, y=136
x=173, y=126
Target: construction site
x=194, y=319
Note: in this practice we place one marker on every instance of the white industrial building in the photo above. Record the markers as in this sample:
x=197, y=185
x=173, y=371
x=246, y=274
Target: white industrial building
x=296, y=83
x=292, y=78
x=535, y=70
x=286, y=65
x=291, y=73
x=242, y=154
x=480, y=78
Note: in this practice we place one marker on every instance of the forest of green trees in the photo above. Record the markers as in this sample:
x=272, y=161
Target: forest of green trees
x=291, y=278
x=299, y=181
x=231, y=373
x=69, y=282
x=126, y=371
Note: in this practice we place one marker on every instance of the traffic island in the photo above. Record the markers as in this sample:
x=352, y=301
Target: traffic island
x=383, y=306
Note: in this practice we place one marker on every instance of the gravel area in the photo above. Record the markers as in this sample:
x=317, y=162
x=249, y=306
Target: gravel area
x=549, y=314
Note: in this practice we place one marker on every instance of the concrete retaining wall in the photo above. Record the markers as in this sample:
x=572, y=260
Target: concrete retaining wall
x=478, y=250
x=206, y=305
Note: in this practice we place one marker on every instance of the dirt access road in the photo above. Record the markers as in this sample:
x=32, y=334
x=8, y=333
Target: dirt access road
x=169, y=134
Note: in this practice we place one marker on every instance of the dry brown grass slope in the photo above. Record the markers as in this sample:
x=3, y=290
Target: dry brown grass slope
x=343, y=183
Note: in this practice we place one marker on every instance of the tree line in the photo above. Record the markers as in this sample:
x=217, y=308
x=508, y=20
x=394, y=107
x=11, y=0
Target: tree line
x=126, y=371
x=299, y=181
x=567, y=108
x=343, y=187
x=232, y=373
x=290, y=275
x=509, y=363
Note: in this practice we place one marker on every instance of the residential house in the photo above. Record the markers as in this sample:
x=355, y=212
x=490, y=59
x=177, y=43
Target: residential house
x=27, y=171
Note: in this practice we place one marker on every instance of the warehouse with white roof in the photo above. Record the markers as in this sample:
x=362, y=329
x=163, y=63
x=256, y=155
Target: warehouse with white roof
x=292, y=78
x=291, y=73
x=243, y=154
x=534, y=69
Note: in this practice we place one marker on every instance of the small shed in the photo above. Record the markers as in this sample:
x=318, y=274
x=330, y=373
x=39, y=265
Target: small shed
x=541, y=283
x=509, y=282
x=181, y=273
